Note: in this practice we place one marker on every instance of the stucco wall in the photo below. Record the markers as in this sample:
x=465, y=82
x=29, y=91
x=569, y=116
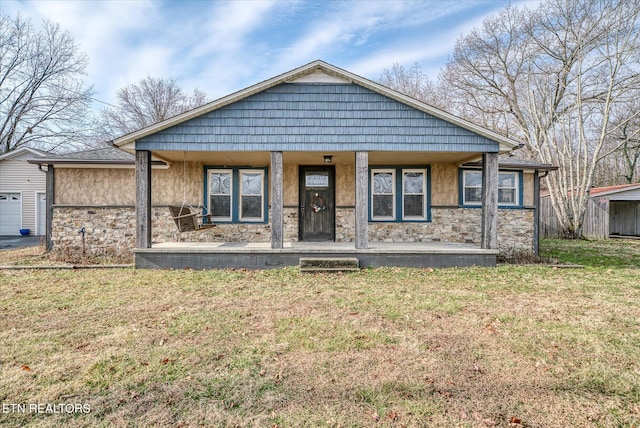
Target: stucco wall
x=94, y=186
x=116, y=186
x=113, y=186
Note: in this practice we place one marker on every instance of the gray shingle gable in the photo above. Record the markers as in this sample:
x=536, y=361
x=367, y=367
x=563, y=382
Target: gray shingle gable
x=317, y=117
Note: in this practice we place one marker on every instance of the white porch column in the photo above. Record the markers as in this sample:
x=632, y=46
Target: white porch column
x=362, y=217
x=143, y=199
x=489, y=238
x=277, y=186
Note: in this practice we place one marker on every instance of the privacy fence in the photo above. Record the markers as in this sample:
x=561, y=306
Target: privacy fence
x=596, y=220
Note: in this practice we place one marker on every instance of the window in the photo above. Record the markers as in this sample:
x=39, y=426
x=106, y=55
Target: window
x=220, y=194
x=383, y=194
x=236, y=195
x=399, y=194
x=472, y=187
x=508, y=188
x=251, y=195
x=414, y=185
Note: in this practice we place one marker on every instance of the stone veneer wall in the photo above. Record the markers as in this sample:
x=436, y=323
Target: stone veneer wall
x=515, y=229
x=111, y=230
x=108, y=230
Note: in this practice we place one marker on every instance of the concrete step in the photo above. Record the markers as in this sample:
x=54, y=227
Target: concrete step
x=329, y=264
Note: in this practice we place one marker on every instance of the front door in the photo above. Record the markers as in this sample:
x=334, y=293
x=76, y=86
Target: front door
x=317, y=203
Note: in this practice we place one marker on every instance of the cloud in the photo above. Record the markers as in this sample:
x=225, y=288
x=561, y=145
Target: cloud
x=225, y=46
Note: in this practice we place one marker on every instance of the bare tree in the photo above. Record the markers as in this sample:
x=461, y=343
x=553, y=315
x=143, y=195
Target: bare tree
x=553, y=77
x=624, y=145
x=147, y=102
x=43, y=102
x=412, y=82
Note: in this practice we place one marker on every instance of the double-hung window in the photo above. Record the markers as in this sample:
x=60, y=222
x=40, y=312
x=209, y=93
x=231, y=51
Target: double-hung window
x=383, y=194
x=251, y=195
x=399, y=194
x=236, y=195
x=220, y=187
x=509, y=193
x=414, y=192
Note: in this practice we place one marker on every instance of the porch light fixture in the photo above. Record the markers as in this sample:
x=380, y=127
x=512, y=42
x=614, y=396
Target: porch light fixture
x=328, y=158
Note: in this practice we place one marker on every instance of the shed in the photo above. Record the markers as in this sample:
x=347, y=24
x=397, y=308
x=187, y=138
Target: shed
x=622, y=207
x=612, y=212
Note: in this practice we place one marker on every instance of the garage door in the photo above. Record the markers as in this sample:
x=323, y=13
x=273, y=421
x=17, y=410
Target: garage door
x=10, y=209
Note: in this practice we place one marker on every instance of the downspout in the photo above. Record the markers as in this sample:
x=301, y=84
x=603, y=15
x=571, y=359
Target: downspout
x=536, y=211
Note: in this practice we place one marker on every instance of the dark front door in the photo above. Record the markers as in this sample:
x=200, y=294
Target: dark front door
x=317, y=203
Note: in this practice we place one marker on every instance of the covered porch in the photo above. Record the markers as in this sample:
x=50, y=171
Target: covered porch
x=260, y=255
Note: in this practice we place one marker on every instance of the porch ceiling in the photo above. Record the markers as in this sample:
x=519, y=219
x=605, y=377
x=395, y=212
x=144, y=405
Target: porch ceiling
x=316, y=158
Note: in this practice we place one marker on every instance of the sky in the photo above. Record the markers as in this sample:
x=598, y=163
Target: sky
x=221, y=47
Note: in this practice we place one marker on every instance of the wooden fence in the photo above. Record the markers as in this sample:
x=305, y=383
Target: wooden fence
x=596, y=220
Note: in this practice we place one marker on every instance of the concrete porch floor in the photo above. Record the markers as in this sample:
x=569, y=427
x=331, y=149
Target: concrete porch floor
x=260, y=255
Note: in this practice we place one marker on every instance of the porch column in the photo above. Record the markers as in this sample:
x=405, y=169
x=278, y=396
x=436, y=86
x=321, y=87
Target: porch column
x=362, y=218
x=143, y=199
x=489, y=238
x=536, y=213
x=49, y=201
x=277, y=187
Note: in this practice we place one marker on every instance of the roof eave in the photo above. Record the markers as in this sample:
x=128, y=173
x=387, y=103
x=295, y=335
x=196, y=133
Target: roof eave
x=613, y=192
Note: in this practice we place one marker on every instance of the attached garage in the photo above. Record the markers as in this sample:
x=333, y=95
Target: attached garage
x=10, y=213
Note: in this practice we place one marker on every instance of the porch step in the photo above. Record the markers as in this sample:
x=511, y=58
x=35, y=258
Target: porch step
x=329, y=264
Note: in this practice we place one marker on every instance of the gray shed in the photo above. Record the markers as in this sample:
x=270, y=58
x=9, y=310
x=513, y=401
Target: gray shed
x=612, y=212
x=623, y=206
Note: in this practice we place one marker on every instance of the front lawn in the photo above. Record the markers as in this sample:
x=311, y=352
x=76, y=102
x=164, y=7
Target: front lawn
x=527, y=346
x=597, y=253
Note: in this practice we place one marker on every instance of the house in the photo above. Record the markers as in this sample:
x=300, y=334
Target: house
x=22, y=193
x=315, y=162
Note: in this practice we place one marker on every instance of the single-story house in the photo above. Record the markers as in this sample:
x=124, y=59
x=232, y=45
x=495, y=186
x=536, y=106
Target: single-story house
x=612, y=212
x=315, y=162
x=22, y=193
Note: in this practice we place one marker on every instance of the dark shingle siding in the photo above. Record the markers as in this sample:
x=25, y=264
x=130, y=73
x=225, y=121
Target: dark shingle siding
x=293, y=117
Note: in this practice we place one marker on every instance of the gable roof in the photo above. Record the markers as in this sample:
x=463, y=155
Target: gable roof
x=306, y=72
x=609, y=190
x=22, y=151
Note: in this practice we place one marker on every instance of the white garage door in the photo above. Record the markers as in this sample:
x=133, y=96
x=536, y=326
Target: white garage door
x=10, y=209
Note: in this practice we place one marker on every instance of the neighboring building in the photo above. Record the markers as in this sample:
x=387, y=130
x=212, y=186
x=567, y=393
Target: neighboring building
x=623, y=208
x=22, y=193
x=612, y=212
x=316, y=155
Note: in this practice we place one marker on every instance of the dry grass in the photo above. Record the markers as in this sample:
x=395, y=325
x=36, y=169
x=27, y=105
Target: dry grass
x=510, y=346
x=37, y=256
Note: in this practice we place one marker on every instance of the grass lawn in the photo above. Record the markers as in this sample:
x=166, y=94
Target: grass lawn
x=512, y=346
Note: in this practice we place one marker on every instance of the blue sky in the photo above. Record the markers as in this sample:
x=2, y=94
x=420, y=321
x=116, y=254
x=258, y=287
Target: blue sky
x=224, y=46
